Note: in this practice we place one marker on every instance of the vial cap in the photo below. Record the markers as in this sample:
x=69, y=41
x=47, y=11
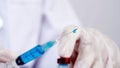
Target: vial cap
x=63, y=60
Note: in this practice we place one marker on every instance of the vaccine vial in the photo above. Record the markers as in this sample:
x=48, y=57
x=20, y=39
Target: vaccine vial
x=34, y=53
x=63, y=62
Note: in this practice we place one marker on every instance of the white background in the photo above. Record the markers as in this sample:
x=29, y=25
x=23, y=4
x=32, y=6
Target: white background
x=101, y=14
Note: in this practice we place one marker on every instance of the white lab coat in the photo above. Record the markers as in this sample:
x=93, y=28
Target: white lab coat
x=29, y=22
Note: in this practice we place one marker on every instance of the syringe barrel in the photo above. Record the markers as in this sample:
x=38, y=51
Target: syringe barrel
x=34, y=53
x=30, y=55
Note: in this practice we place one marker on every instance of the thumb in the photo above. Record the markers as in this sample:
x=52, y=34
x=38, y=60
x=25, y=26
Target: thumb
x=6, y=55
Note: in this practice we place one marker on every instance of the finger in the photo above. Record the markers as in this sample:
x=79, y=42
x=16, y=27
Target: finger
x=100, y=49
x=6, y=55
x=3, y=59
x=107, y=51
x=68, y=40
x=85, y=59
x=86, y=55
x=113, y=54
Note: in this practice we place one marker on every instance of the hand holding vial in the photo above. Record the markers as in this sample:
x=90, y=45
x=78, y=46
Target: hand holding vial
x=88, y=48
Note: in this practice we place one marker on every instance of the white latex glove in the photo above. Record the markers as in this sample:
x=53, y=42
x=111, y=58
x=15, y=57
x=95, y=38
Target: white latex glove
x=7, y=59
x=88, y=48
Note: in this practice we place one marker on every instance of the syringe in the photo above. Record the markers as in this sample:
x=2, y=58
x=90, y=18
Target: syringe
x=37, y=51
x=34, y=53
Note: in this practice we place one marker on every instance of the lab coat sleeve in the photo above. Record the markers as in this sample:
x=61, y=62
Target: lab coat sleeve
x=57, y=14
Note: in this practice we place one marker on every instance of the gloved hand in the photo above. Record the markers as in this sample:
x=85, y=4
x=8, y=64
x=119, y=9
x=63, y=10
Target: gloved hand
x=88, y=48
x=7, y=59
